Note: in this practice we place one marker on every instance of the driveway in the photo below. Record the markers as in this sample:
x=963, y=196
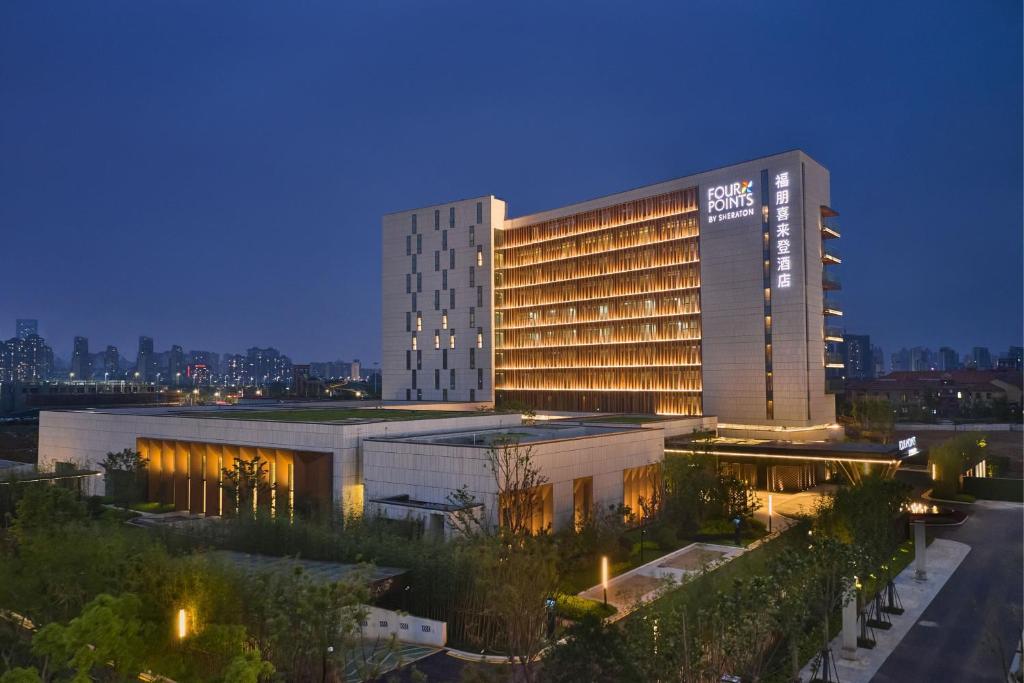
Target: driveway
x=971, y=628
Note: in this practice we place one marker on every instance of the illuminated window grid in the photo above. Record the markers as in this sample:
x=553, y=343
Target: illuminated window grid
x=600, y=311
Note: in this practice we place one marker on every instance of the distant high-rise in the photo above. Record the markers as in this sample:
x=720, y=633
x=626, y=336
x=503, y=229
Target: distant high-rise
x=209, y=359
x=1013, y=360
x=901, y=360
x=858, y=360
x=878, y=360
x=949, y=359
x=26, y=327
x=145, y=362
x=176, y=365
x=981, y=358
x=81, y=361
x=111, y=363
x=25, y=360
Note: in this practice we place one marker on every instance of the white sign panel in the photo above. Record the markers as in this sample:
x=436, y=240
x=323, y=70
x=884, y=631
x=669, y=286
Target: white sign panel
x=730, y=201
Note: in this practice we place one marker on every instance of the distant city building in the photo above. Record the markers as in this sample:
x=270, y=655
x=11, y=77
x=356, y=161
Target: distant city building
x=198, y=375
x=145, y=362
x=267, y=366
x=81, y=361
x=930, y=395
x=210, y=359
x=25, y=360
x=858, y=360
x=949, y=359
x=981, y=358
x=901, y=361
x=176, y=365
x=355, y=371
x=878, y=360
x=234, y=370
x=1013, y=360
x=26, y=327
x=111, y=363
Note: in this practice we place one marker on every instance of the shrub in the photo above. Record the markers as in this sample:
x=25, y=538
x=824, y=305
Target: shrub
x=574, y=607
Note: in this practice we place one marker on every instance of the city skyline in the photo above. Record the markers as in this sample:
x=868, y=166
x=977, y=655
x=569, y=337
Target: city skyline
x=217, y=182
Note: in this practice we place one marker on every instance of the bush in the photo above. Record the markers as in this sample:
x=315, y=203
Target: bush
x=574, y=608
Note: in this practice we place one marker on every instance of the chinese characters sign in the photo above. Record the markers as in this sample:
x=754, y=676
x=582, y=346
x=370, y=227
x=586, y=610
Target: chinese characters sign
x=783, y=253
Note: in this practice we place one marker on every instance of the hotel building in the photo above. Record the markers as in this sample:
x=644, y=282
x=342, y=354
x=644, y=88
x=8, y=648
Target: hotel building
x=704, y=295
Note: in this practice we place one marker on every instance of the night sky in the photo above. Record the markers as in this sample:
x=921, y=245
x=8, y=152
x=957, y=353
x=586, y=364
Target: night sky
x=213, y=174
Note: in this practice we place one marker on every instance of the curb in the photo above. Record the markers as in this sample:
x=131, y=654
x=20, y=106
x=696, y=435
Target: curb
x=927, y=495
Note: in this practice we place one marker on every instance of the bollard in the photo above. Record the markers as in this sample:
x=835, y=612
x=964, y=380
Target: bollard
x=849, y=647
x=920, y=553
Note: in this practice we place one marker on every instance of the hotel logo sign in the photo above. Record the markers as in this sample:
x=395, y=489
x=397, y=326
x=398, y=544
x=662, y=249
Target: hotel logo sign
x=783, y=246
x=726, y=202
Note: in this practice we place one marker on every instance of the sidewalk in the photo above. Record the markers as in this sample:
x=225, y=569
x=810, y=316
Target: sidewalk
x=944, y=556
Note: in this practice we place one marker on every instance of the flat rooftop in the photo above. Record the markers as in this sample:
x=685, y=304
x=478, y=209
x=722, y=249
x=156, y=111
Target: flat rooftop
x=820, y=450
x=316, y=570
x=538, y=433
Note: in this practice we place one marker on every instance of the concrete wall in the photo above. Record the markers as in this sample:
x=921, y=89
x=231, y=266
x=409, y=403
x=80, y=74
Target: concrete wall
x=396, y=302
x=382, y=624
x=430, y=472
x=86, y=437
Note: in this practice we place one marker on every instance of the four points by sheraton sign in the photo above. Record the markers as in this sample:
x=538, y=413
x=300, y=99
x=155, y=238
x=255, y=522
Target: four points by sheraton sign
x=726, y=202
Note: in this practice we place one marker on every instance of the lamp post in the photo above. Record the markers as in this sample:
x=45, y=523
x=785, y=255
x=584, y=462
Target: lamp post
x=182, y=624
x=643, y=532
x=769, y=513
x=604, y=577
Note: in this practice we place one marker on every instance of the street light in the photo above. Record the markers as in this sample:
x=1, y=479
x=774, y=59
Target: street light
x=769, y=513
x=182, y=624
x=604, y=577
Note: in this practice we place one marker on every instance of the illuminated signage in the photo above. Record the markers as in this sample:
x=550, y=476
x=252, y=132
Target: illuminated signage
x=726, y=202
x=783, y=255
x=908, y=443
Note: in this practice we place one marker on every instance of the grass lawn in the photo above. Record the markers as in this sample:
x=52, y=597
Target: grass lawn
x=333, y=414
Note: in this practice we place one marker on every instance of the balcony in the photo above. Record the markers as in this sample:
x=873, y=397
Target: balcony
x=834, y=360
x=829, y=282
x=832, y=308
x=835, y=385
x=829, y=230
x=830, y=255
x=833, y=334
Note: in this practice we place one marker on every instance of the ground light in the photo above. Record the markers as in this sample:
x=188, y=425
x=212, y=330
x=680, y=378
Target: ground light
x=182, y=624
x=769, y=513
x=604, y=577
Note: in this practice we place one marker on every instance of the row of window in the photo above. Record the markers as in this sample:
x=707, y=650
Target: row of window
x=451, y=217
x=668, y=279
x=659, y=330
x=451, y=339
x=628, y=307
x=444, y=359
x=451, y=379
x=444, y=320
x=674, y=354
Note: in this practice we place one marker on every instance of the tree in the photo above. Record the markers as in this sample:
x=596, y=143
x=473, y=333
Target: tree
x=950, y=459
x=245, y=481
x=592, y=651
x=874, y=417
x=518, y=483
x=125, y=476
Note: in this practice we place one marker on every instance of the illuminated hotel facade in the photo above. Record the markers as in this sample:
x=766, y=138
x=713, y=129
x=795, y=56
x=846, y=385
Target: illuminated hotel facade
x=704, y=295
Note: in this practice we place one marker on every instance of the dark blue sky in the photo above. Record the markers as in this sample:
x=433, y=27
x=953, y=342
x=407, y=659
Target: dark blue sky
x=213, y=174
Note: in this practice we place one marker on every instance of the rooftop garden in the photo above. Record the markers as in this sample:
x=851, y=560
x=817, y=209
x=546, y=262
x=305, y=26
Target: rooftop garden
x=334, y=414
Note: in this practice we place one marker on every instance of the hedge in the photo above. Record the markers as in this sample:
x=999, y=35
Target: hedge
x=574, y=607
x=993, y=488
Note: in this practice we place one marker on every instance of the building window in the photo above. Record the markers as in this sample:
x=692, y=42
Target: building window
x=437, y=219
x=419, y=394
x=414, y=224
x=444, y=359
x=444, y=320
x=414, y=342
x=408, y=321
x=437, y=300
x=472, y=358
x=437, y=378
x=437, y=339
x=472, y=276
x=408, y=244
x=419, y=282
x=419, y=244
x=479, y=337
x=451, y=381
x=479, y=255
x=444, y=279
x=408, y=283
x=472, y=395
x=451, y=258
x=479, y=297
x=451, y=217
x=413, y=379
x=414, y=263
x=444, y=240
x=479, y=212
x=480, y=378
x=419, y=359
x=472, y=317
x=451, y=339
x=419, y=321
x=451, y=298
x=408, y=360
x=414, y=306
x=444, y=395
x=408, y=395
x=472, y=235
x=437, y=261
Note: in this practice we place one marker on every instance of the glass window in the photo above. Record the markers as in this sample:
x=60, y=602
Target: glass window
x=479, y=212
x=444, y=358
x=451, y=339
x=480, y=378
x=414, y=263
x=419, y=321
x=444, y=319
x=419, y=359
x=472, y=317
x=414, y=342
x=479, y=297
x=419, y=282
x=444, y=239
x=408, y=244
x=437, y=339
x=444, y=279
x=408, y=360
x=451, y=258
x=419, y=244
x=451, y=298
x=413, y=379
x=408, y=283
x=479, y=255
x=437, y=300
x=419, y=394
x=451, y=217
x=437, y=219
x=479, y=337
x=472, y=276
x=472, y=235
x=414, y=224
x=437, y=378
x=437, y=261
x=451, y=374
x=408, y=321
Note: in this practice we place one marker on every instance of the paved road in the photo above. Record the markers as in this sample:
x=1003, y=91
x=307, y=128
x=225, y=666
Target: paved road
x=970, y=630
